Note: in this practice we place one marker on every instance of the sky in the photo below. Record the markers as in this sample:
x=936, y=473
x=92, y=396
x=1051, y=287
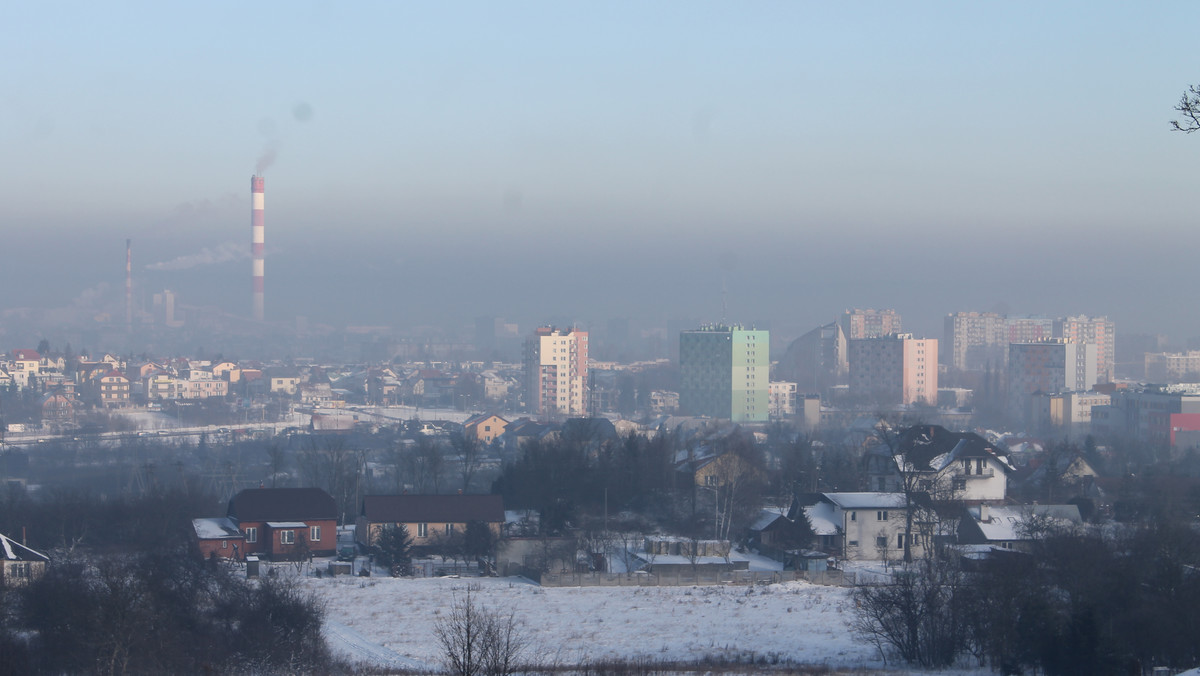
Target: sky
x=433, y=162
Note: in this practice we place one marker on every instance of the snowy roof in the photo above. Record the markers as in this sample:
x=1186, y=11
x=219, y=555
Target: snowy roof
x=1007, y=522
x=766, y=517
x=867, y=500
x=215, y=529
x=15, y=551
x=822, y=518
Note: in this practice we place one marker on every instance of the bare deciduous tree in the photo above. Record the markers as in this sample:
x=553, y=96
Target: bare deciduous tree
x=477, y=640
x=1189, y=110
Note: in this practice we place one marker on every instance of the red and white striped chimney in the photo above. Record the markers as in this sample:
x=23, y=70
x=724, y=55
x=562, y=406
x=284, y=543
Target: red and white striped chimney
x=256, y=243
x=129, y=286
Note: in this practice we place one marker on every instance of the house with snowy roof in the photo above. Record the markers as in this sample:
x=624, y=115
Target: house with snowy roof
x=19, y=565
x=1014, y=526
x=862, y=525
x=947, y=465
x=218, y=538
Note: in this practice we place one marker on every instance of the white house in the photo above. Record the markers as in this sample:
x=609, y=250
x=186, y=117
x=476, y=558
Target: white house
x=861, y=526
x=947, y=465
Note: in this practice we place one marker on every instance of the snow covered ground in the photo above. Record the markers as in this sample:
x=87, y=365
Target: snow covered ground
x=389, y=622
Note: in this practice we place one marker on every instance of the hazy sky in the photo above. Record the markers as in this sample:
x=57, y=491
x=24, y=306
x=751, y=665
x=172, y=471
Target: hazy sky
x=536, y=160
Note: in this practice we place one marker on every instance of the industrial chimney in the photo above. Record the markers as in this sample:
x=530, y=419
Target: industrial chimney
x=129, y=286
x=256, y=243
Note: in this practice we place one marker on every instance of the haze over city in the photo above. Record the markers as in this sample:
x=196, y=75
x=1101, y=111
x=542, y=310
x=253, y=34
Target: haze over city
x=426, y=164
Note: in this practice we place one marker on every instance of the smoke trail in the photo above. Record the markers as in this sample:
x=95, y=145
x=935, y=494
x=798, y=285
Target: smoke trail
x=223, y=253
x=267, y=158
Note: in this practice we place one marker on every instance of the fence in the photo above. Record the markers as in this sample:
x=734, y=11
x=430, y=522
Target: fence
x=835, y=578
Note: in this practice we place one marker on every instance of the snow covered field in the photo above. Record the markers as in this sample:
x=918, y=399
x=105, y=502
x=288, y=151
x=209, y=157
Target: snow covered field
x=389, y=622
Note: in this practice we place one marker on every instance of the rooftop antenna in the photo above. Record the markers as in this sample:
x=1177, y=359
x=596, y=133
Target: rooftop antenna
x=728, y=260
x=724, y=299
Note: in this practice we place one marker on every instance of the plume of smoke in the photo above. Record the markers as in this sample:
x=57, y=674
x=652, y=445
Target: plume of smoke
x=267, y=158
x=222, y=253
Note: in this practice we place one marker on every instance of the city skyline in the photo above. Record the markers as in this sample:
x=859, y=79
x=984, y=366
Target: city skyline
x=933, y=158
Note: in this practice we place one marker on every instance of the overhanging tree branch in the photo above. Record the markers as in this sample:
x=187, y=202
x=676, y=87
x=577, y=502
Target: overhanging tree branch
x=1189, y=108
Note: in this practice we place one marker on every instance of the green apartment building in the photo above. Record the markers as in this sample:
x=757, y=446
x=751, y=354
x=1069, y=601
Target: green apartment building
x=724, y=372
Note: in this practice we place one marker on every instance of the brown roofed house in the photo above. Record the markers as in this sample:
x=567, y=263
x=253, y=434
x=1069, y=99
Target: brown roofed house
x=284, y=523
x=427, y=517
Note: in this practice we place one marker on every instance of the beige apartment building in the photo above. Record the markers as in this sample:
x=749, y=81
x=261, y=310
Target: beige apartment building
x=556, y=372
x=895, y=369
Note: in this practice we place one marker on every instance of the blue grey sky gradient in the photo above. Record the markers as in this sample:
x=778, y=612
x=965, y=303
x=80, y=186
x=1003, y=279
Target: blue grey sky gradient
x=933, y=157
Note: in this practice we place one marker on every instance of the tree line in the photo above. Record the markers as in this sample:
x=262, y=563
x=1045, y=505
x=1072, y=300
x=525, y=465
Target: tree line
x=1080, y=602
x=124, y=594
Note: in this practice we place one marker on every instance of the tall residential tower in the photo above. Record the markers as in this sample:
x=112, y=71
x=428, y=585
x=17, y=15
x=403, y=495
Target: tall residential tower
x=556, y=372
x=724, y=372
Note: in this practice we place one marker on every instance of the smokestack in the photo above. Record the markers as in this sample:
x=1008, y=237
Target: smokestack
x=129, y=286
x=256, y=243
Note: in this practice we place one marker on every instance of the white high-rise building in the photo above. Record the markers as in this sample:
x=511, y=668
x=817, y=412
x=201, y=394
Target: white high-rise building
x=556, y=372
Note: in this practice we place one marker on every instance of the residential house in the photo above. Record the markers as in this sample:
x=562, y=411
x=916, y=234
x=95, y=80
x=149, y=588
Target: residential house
x=24, y=367
x=282, y=380
x=19, y=565
x=282, y=522
x=718, y=470
x=947, y=465
x=162, y=385
x=228, y=371
x=201, y=384
x=1014, y=526
x=868, y=526
x=109, y=389
x=428, y=518
x=485, y=427
x=57, y=408
x=218, y=538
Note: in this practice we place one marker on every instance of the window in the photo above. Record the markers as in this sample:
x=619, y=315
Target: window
x=21, y=570
x=251, y=534
x=900, y=541
x=287, y=537
x=881, y=516
x=854, y=516
x=881, y=541
x=315, y=534
x=422, y=530
x=449, y=529
x=853, y=543
x=224, y=544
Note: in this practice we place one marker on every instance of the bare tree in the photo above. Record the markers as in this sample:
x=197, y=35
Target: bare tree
x=1189, y=109
x=470, y=454
x=476, y=640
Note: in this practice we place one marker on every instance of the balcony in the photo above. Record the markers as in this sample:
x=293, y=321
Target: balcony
x=985, y=474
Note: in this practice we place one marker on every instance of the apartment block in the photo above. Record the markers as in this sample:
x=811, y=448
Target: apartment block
x=556, y=372
x=1048, y=366
x=859, y=324
x=974, y=341
x=724, y=372
x=1098, y=331
x=895, y=369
